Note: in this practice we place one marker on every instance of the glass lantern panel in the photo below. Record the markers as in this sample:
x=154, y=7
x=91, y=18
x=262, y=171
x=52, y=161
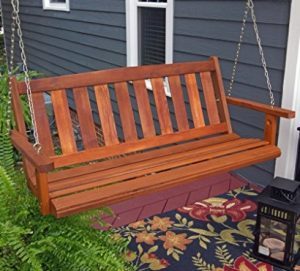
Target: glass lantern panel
x=272, y=239
x=297, y=237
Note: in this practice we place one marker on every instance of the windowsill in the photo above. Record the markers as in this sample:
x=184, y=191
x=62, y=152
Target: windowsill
x=56, y=6
x=57, y=9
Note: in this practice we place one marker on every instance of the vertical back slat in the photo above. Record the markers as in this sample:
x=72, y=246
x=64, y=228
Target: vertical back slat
x=42, y=123
x=63, y=121
x=106, y=115
x=145, y=113
x=126, y=113
x=20, y=123
x=17, y=107
x=178, y=101
x=220, y=94
x=162, y=106
x=210, y=98
x=85, y=117
x=194, y=98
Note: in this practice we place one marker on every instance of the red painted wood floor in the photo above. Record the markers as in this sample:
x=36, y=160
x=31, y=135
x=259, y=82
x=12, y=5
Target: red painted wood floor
x=139, y=208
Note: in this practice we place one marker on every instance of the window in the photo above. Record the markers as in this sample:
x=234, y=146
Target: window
x=63, y=5
x=149, y=25
x=149, y=32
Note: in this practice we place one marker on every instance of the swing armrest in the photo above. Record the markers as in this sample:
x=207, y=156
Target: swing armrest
x=274, y=111
x=41, y=162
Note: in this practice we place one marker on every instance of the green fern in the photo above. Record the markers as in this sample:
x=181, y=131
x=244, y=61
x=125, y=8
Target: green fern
x=6, y=116
x=30, y=242
x=7, y=191
x=7, y=154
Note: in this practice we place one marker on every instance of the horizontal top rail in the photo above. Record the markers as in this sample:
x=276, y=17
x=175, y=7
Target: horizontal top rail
x=116, y=75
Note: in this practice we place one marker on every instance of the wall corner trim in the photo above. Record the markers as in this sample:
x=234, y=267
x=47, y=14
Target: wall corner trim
x=288, y=135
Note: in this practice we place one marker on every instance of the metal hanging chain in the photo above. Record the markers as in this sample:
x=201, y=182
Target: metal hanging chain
x=261, y=52
x=16, y=8
x=250, y=6
x=4, y=40
x=238, y=50
x=10, y=68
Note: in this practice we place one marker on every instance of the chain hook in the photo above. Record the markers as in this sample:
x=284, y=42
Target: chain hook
x=37, y=147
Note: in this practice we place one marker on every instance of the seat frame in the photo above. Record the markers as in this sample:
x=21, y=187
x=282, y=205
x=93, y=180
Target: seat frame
x=135, y=165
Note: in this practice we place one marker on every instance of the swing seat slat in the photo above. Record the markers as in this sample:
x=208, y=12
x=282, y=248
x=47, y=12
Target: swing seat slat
x=133, y=160
x=120, y=188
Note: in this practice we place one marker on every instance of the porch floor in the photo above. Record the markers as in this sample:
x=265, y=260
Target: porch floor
x=164, y=201
x=215, y=234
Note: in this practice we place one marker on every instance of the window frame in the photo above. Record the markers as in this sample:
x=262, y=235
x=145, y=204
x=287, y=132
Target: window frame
x=132, y=7
x=47, y=5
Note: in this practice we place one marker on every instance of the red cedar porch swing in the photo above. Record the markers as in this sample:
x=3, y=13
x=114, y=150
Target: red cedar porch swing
x=157, y=160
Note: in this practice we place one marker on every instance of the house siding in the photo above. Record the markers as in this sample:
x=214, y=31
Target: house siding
x=204, y=28
x=93, y=36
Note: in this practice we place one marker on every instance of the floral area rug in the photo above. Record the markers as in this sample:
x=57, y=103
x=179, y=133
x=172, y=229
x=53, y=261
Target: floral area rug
x=214, y=234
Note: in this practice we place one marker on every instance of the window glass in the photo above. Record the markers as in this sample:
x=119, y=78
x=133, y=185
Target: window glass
x=152, y=35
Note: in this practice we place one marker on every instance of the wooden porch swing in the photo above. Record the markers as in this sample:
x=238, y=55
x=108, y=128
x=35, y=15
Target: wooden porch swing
x=161, y=157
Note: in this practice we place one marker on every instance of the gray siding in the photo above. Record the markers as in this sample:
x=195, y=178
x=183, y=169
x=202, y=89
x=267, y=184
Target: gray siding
x=211, y=27
x=93, y=36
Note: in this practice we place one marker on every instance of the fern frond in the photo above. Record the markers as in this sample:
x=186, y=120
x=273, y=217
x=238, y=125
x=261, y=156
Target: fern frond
x=7, y=154
x=7, y=192
x=29, y=241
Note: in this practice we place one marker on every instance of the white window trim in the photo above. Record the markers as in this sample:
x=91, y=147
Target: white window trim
x=47, y=5
x=288, y=135
x=132, y=33
x=132, y=29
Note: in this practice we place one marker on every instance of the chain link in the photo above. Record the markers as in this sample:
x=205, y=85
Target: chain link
x=238, y=50
x=15, y=6
x=1, y=16
x=4, y=40
x=261, y=52
x=10, y=70
x=250, y=6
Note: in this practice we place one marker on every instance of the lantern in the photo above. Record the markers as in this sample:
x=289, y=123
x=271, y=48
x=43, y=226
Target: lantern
x=278, y=215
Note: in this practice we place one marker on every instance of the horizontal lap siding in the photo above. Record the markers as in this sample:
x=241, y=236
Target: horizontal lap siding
x=210, y=27
x=90, y=37
x=93, y=36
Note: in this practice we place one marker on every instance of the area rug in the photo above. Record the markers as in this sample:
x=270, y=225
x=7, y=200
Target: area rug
x=214, y=234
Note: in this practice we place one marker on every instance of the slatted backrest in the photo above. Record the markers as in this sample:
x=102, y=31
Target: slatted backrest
x=195, y=87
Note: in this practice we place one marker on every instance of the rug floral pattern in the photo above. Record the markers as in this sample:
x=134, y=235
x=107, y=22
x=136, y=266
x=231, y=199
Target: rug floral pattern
x=214, y=234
